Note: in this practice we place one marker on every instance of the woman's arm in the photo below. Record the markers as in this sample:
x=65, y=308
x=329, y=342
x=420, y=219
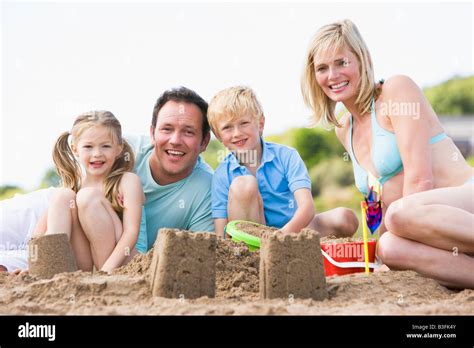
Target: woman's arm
x=133, y=199
x=304, y=213
x=411, y=127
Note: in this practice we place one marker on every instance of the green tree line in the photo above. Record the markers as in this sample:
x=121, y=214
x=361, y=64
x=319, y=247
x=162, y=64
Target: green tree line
x=452, y=97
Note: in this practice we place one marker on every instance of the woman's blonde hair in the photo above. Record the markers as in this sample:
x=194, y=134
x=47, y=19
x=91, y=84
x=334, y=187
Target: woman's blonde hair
x=232, y=103
x=68, y=167
x=336, y=36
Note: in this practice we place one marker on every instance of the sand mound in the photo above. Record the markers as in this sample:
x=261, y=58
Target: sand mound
x=253, y=229
x=127, y=292
x=139, y=265
x=236, y=270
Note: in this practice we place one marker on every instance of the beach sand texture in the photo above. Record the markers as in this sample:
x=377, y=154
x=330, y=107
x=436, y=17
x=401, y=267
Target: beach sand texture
x=128, y=291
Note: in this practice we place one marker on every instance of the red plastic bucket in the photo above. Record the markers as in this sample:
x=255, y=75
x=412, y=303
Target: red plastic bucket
x=347, y=252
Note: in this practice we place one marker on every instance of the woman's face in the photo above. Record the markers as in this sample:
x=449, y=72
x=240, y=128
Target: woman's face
x=337, y=72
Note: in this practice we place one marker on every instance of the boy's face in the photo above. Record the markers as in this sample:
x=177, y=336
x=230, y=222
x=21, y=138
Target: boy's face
x=241, y=134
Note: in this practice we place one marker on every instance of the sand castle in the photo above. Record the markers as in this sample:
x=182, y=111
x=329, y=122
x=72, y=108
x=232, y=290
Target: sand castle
x=292, y=266
x=49, y=255
x=183, y=264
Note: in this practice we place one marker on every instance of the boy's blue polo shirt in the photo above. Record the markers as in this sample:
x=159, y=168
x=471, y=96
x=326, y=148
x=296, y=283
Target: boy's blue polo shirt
x=281, y=173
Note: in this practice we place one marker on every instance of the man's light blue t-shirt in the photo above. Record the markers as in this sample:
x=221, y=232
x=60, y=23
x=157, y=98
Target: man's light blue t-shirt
x=185, y=204
x=280, y=174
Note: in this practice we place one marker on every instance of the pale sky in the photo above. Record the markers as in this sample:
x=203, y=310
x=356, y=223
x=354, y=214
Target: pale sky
x=61, y=59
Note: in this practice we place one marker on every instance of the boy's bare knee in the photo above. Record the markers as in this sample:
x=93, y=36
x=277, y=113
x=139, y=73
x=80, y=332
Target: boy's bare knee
x=244, y=188
x=351, y=223
x=347, y=222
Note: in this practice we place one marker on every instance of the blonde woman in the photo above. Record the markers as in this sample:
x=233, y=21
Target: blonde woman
x=99, y=207
x=393, y=135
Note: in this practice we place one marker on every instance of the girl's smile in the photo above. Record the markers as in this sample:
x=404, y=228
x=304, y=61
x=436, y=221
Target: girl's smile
x=97, y=151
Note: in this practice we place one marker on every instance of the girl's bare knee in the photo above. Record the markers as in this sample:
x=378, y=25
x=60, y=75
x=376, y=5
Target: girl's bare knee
x=88, y=196
x=63, y=195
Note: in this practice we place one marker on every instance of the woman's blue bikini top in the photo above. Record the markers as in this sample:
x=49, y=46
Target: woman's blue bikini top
x=385, y=154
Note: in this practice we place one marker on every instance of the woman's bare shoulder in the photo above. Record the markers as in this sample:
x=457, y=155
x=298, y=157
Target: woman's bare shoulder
x=399, y=85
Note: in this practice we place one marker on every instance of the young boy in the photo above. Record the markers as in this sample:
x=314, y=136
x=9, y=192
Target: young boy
x=258, y=181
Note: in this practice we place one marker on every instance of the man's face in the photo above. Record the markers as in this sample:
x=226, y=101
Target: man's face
x=178, y=141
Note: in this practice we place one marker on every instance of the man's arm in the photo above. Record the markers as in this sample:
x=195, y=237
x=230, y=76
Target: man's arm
x=220, y=196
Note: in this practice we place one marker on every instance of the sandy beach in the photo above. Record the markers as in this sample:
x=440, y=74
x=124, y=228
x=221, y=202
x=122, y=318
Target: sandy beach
x=127, y=292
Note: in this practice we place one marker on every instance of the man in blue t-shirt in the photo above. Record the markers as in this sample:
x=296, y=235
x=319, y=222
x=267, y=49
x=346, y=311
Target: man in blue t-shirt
x=175, y=180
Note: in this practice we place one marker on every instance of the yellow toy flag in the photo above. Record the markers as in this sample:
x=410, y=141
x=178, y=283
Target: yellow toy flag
x=363, y=209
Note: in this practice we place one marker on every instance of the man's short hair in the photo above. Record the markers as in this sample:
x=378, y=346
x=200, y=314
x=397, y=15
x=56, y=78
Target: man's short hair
x=185, y=95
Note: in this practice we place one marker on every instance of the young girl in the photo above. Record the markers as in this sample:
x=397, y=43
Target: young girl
x=392, y=134
x=99, y=207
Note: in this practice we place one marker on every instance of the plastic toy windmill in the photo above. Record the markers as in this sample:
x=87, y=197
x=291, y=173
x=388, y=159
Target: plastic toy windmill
x=371, y=209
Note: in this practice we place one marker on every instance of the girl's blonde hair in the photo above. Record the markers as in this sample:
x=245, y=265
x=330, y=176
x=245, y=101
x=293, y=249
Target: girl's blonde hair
x=68, y=167
x=334, y=37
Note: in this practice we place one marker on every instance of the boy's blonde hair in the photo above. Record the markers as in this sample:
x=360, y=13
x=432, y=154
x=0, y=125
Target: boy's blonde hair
x=232, y=103
x=331, y=38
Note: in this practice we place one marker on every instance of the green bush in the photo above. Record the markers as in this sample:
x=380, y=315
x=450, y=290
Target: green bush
x=8, y=191
x=50, y=178
x=453, y=97
x=470, y=161
x=214, y=153
x=287, y=138
x=316, y=144
x=331, y=172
